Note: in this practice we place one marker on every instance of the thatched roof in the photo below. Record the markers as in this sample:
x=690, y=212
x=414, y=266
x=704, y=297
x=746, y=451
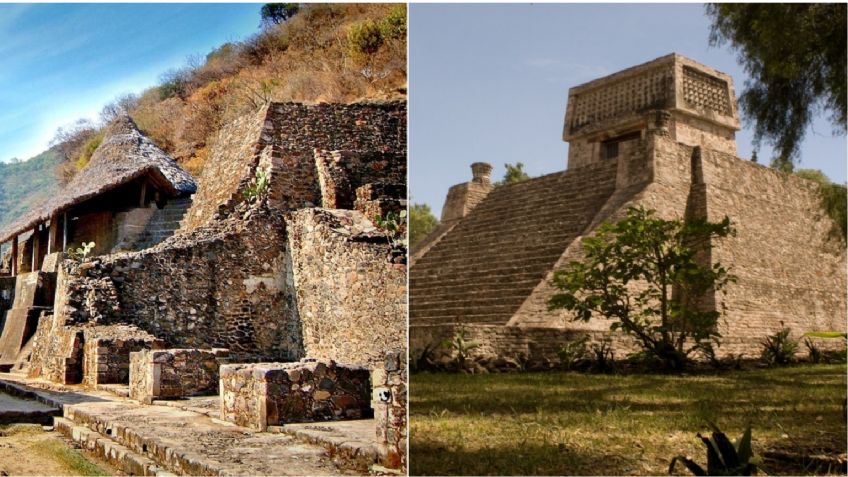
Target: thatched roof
x=124, y=155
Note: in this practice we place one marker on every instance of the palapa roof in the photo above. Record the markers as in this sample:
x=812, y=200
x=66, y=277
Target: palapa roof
x=124, y=155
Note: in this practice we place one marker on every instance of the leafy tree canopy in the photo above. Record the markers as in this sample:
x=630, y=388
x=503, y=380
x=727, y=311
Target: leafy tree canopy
x=421, y=223
x=834, y=200
x=796, y=57
x=514, y=173
x=276, y=13
x=647, y=275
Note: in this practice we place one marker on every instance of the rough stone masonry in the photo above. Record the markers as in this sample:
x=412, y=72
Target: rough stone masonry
x=298, y=273
x=659, y=135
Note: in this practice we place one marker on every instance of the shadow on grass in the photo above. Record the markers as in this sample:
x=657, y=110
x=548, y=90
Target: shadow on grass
x=801, y=406
x=522, y=458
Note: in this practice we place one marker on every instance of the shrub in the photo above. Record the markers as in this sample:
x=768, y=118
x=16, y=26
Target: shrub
x=364, y=39
x=660, y=256
x=779, y=349
x=460, y=347
x=393, y=26
x=394, y=226
x=573, y=352
x=87, y=150
x=258, y=187
x=80, y=253
x=603, y=357
x=723, y=458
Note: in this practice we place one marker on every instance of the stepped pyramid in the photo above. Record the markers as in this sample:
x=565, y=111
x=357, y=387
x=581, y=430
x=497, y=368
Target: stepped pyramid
x=659, y=135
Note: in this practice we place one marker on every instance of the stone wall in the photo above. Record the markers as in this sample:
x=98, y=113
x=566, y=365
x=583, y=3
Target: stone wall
x=389, y=401
x=789, y=268
x=380, y=199
x=342, y=173
x=351, y=298
x=234, y=155
x=294, y=131
x=174, y=373
x=106, y=352
x=272, y=394
x=220, y=286
x=285, y=137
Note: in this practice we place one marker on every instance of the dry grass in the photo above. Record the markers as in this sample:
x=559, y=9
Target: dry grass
x=26, y=449
x=576, y=424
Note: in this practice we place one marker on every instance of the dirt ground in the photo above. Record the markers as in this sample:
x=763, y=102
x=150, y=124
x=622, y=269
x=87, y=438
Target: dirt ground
x=27, y=449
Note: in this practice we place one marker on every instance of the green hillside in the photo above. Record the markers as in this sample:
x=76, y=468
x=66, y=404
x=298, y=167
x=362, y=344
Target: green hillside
x=24, y=184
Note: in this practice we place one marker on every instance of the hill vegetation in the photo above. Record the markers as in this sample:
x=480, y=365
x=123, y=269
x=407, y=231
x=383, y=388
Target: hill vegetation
x=23, y=184
x=308, y=53
x=313, y=53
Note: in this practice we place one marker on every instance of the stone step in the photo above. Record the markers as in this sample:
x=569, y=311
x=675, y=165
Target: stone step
x=478, y=272
x=486, y=318
x=487, y=265
x=428, y=283
x=188, y=443
x=494, y=290
x=107, y=450
x=457, y=302
x=527, y=250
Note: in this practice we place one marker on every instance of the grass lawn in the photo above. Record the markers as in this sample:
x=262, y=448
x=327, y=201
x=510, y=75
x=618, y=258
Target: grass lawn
x=583, y=424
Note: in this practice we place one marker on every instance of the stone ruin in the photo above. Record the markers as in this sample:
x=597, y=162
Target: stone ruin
x=295, y=288
x=659, y=135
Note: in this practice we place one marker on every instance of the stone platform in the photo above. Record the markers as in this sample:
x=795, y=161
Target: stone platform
x=163, y=439
x=16, y=410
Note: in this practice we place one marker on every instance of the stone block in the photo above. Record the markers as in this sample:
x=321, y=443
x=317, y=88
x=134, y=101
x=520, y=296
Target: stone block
x=270, y=394
x=107, y=349
x=174, y=373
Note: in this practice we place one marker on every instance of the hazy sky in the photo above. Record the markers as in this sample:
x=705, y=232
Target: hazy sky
x=62, y=62
x=490, y=83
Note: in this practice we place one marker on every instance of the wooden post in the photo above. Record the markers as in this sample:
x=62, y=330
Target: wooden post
x=51, y=236
x=15, y=256
x=143, y=193
x=64, y=232
x=35, y=247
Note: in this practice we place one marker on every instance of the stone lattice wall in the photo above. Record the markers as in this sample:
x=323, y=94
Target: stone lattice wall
x=174, y=373
x=272, y=394
x=389, y=397
x=351, y=298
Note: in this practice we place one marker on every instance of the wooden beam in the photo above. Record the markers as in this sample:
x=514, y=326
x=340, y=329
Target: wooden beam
x=15, y=256
x=35, y=247
x=51, y=235
x=143, y=194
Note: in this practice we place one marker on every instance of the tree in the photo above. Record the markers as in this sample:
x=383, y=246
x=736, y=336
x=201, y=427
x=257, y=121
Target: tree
x=833, y=200
x=646, y=274
x=276, y=13
x=514, y=173
x=421, y=223
x=121, y=105
x=796, y=57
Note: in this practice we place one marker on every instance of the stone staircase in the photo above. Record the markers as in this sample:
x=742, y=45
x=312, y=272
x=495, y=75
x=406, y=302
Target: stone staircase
x=484, y=269
x=163, y=224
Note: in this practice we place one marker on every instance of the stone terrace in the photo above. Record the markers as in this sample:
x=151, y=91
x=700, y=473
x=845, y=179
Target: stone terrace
x=164, y=439
x=487, y=266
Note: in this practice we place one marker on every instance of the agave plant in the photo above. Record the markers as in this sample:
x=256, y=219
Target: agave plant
x=723, y=458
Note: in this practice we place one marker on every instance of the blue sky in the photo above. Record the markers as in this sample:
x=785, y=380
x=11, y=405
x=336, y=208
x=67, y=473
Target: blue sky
x=62, y=62
x=490, y=82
